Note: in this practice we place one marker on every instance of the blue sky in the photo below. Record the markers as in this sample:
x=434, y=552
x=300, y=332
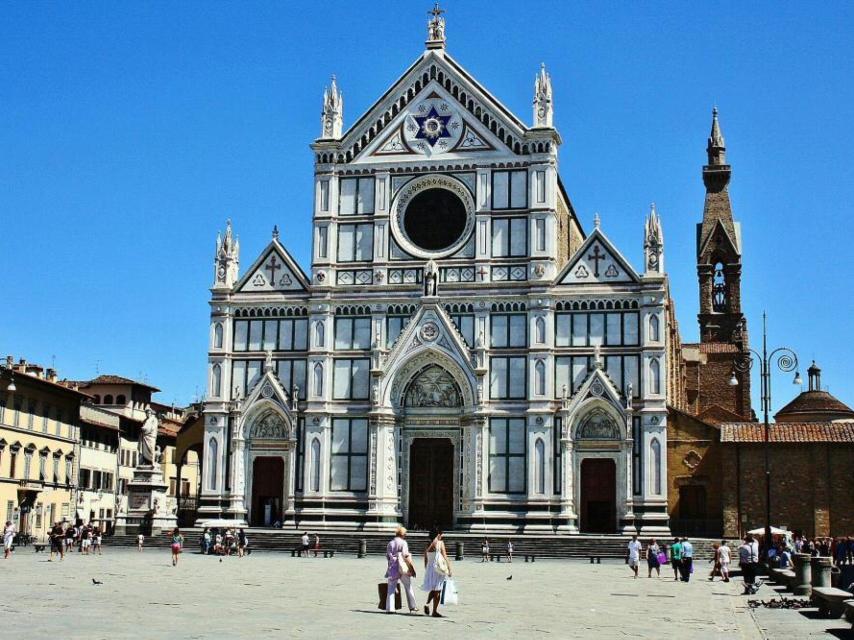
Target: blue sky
x=129, y=133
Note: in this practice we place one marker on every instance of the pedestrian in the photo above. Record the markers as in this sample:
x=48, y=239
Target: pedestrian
x=484, y=550
x=676, y=557
x=139, y=540
x=69, y=538
x=399, y=570
x=850, y=550
x=206, y=541
x=316, y=544
x=633, y=555
x=748, y=558
x=687, y=560
x=57, y=542
x=96, y=540
x=177, y=544
x=85, y=540
x=241, y=543
x=716, y=562
x=304, y=544
x=8, y=539
x=724, y=553
x=652, y=561
x=438, y=569
x=509, y=551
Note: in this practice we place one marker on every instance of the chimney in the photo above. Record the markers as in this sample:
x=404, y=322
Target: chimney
x=51, y=375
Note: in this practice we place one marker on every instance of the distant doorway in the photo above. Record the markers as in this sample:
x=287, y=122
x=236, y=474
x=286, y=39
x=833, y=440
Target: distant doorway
x=598, y=495
x=268, y=479
x=431, y=483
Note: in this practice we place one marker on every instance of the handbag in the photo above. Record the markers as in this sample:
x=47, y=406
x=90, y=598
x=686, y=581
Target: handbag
x=662, y=557
x=382, y=590
x=450, y=594
x=402, y=566
x=441, y=564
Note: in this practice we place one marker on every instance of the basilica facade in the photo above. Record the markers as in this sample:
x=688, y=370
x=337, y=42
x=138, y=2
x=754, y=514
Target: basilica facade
x=462, y=353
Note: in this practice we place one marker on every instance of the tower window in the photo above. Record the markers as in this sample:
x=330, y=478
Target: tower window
x=719, y=289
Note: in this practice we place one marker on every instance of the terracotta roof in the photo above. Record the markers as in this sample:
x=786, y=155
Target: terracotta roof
x=754, y=432
x=813, y=402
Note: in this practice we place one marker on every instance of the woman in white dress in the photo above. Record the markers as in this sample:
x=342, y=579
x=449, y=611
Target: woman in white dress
x=438, y=568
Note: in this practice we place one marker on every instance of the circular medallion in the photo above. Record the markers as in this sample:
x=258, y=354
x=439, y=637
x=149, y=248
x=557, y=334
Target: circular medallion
x=597, y=389
x=430, y=331
x=267, y=391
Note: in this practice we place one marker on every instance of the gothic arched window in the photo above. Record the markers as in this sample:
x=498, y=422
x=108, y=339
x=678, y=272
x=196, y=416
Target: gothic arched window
x=654, y=377
x=315, y=465
x=655, y=448
x=540, y=378
x=121, y=399
x=654, y=332
x=318, y=380
x=213, y=461
x=218, y=333
x=540, y=331
x=540, y=465
x=719, y=289
x=216, y=381
x=319, y=334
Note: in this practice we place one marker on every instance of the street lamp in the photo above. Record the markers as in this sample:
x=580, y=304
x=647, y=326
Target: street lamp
x=786, y=361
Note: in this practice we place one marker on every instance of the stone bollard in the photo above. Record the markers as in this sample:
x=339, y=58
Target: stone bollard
x=803, y=571
x=820, y=572
x=459, y=551
x=363, y=549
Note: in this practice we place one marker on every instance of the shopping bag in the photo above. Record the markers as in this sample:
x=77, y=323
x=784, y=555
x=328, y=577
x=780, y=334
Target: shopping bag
x=450, y=595
x=662, y=557
x=382, y=591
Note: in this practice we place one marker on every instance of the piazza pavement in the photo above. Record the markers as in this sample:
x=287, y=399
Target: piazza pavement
x=269, y=595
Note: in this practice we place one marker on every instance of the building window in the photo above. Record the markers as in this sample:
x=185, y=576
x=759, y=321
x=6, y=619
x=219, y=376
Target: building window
x=355, y=242
x=509, y=237
x=216, y=381
x=315, y=464
x=655, y=450
x=719, y=289
x=31, y=414
x=540, y=378
x=292, y=373
x=84, y=480
x=654, y=377
x=351, y=378
x=507, y=455
x=349, y=454
x=654, y=334
x=43, y=465
x=540, y=330
x=218, y=336
x=322, y=242
x=509, y=189
x=108, y=399
x=540, y=465
x=637, y=458
x=28, y=461
x=271, y=335
x=540, y=186
x=558, y=450
x=324, y=195
x=570, y=373
x=13, y=460
x=56, y=468
x=356, y=197
x=69, y=470
x=394, y=327
x=540, y=234
x=213, y=460
x=508, y=330
x=623, y=370
x=619, y=328
x=353, y=333
x=507, y=378
x=120, y=399
x=318, y=380
x=465, y=325
x=319, y=334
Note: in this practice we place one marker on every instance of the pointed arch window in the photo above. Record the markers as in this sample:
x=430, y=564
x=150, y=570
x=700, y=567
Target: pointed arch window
x=216, y=381
x=319, y=334
x=315, y=465
x=540, y=466
x=540, y=331
x=540, y=378
x=218, y=336
x=654, y=329
x=654, y=377
x=318, y=380
x=719, y=289
x=213, y=463
x=655, y=450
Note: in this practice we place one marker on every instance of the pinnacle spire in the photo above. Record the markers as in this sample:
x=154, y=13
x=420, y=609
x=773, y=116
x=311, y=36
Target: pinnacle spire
x=543, y=108
x=332, y=117
x=436, y=28
x=716, y=147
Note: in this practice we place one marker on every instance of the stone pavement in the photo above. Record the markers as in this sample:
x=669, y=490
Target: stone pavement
x=274, y=595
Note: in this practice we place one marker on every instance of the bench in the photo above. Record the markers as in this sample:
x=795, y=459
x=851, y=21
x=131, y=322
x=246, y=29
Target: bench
x=39, y=547
x=328, y=553
x=597, y=560
x=849, y=611
x=529, y=555
x=785, y=577
x=830, y=600
x=495, y=557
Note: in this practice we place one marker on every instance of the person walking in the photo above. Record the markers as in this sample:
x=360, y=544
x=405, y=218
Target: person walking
x=57, y=542
x=399, y=570
x=304, y=544
x=716, y=562
x=633, y=555
x=96, y=540
x=316, y=544
x=724, y=554
x=676, y=557
x=139, y=541
x=8, y=539
x=438, y=569
x=687, y=559
x=177, y=544
x=748, y=558
x=509, y=551
x=69, y=538
x=652, y=561
x=242, y=541
x=484, y=550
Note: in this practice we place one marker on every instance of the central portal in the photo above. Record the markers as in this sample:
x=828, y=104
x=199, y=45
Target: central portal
x=268, y=479
x=598, y=495
x=431, y=483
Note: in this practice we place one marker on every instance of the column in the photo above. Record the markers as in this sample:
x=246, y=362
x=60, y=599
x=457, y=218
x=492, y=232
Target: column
x=568, y=515
x=237, y=497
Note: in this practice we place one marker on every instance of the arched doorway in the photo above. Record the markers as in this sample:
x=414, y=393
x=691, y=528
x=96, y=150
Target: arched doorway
x=268, y=480
x=598, y=495
x=431, y=483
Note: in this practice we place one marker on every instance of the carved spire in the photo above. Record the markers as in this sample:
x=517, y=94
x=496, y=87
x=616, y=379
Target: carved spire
x=332, y=118
x=543, y=108
x=716, y=149
x=436, y=28
x=227, y=258
x=653, y=243
x=597, y=221
x=275, y=232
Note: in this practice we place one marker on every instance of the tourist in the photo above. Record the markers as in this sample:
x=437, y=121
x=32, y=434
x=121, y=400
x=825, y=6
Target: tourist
x=633, y=555
x=399, y=569
x=96, y=540
x=687, y=560
x=242, y=542
x=716, y=560
x=304, y=544
x=139, y=540
x=676, y=557
x=316, y=545
x=438, y=570
x=724, y=555
x=8, y=539
x=652, y=559
x=748, y=558
x=785, y=557
x=850, y=546
x=230, y=544
x=218, y=549
x=484, y=550
x=56, y=541
x=85, y=540
x=69, y=538
x=177, y=544
x=206, y=542
x=509, y=551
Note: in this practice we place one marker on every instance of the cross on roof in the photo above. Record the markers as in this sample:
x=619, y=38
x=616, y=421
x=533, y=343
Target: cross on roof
x=272, y=267
x=436, y=11
x=596, y=256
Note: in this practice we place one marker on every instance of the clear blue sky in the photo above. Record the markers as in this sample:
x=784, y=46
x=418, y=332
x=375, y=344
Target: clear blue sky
x=129, y=132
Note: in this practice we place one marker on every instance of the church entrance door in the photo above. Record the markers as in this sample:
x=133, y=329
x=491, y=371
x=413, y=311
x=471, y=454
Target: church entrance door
x=431, y=483
x=268, y=480
x=598, y=495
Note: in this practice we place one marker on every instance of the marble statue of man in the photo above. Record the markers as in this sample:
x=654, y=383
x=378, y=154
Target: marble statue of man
x=148, y=439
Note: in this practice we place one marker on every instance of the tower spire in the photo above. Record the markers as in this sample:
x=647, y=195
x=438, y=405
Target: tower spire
x=332, y=118
x=653, y=242
x=716, y=149
x=436, y=28
x=543, y=108
x=227, y=258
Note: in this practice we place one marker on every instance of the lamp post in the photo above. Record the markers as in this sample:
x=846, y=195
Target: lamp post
x=786, y=361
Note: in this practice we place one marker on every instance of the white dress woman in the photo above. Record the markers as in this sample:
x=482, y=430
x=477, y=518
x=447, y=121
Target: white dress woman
x=435, y=560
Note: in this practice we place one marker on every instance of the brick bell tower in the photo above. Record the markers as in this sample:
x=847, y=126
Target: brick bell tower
x=723, y=327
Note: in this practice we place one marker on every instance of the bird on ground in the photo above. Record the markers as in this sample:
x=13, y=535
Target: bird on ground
x=96, y=582
x=510, y=578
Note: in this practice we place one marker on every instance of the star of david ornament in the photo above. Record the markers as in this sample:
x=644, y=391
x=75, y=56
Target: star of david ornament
x=432, y=126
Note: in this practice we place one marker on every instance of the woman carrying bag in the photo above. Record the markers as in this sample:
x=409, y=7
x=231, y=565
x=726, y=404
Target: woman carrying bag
x=438, y=569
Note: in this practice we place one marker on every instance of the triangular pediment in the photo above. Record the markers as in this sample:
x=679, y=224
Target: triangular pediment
x=597, y=262
x=598, y=385
x=720, y=236
x=274, y=270
x=266, y=409
x=482, y=120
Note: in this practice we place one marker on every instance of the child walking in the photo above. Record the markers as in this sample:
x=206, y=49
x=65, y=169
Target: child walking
x=177, y=544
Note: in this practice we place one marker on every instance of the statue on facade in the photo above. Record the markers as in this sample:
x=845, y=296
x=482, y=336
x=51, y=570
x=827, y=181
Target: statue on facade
x=431, y=279
x=148, y=439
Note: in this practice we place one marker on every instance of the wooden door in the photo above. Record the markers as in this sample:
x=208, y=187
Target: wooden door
x=431, y=483
x=598, y=495
x=268, y=480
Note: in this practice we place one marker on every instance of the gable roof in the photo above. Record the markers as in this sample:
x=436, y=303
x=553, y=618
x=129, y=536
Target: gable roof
x=794, y=432
x=291, y=279
x=582, y=268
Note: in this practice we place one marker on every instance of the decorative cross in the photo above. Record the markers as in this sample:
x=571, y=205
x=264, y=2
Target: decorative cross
x=436, y=11
x=596, y=256
x=272, y=267
x=482, y=273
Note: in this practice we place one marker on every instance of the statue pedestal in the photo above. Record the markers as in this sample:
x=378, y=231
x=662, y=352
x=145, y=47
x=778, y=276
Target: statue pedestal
x=146, y=507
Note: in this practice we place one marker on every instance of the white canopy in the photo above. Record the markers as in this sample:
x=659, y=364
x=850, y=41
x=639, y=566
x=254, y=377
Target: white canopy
x=222, y=523
x=774, y=531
